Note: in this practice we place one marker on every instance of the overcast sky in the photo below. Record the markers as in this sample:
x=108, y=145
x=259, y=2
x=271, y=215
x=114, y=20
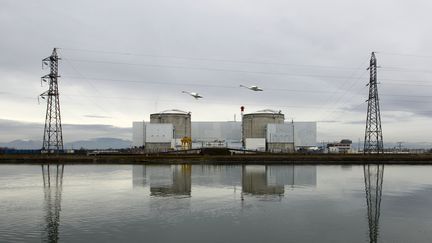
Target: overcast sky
x=123, y=60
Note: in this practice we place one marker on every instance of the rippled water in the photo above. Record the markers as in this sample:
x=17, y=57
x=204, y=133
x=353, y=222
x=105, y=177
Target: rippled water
x=202, y=203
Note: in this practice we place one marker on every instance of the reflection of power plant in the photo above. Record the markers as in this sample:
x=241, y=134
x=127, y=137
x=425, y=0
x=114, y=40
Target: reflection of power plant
x=138, y=175
x=254, y=181
x=373, y=175
x=53, y=184
x=214, y=175
x=260, y=179
x=164, y=180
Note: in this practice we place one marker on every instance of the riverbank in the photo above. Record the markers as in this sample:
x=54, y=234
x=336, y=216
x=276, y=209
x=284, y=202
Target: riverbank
x=409, y=159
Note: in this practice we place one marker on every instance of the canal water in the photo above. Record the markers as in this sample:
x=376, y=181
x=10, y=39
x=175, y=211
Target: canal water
x=204, y=203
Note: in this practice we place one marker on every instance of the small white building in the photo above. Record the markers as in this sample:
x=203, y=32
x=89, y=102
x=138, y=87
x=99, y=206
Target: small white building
x=342, y=147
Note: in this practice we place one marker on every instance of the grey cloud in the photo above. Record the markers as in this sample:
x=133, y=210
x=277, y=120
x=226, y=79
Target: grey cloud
x=339, y=36
x=96, y=116
x=355, y=122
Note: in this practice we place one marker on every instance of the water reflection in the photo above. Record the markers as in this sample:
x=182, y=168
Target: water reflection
x=216, y=176
x=53, y=184
x=166, y=180
x=138, y=175
x=255, y=181
x=373, y=176
x=212, y=211
x=261, y=180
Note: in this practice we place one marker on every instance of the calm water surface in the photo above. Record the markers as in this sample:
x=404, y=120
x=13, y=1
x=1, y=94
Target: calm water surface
x=202, y=203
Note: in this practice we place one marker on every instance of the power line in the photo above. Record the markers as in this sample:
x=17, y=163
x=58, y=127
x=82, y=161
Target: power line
x=392, y=69
x=207, y=59
x=401, y=69
x=234, y=70
x=88, y=82
x=207, y=69
x=232, y=102
x=199, y=85
x=232, y=87
x=404, y=54
x=352, y=85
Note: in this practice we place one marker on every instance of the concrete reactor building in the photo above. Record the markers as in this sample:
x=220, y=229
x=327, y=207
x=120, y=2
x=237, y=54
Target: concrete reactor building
x=264, y=130
x=255, y=124
x=181, y=121
x=255, y=129
x=165, y=131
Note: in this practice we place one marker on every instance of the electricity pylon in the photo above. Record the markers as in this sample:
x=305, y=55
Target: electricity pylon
x=53, y=136
x=53, y=187
x=373, y=142
x=374, y=177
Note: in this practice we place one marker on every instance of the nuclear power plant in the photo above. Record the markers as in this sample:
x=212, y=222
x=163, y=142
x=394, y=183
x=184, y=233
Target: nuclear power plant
x=263, y=130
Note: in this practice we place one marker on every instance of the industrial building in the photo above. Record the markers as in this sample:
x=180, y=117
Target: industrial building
x=342, y=147
x=165, y=131
x=264, y=130
x=181, y=121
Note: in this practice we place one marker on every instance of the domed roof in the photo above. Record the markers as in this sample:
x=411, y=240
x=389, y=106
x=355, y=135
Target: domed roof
x=269, y=111
x=174, y=111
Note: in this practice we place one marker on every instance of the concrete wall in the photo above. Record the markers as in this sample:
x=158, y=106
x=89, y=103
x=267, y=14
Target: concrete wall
x=180, y=121
x=157, y=147
x=280, y=133
x=258, y=144
x=210, y=131
x=305, y=134
x=138, y=134
x=280, y=147
x=159, y=133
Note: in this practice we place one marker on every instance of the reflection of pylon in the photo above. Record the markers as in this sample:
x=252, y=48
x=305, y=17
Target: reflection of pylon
x=373, y=142
x=373, y=176
x=53, y=185
x=53, y=136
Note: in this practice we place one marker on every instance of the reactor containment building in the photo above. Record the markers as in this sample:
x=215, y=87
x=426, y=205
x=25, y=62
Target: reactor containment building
x=264, y=130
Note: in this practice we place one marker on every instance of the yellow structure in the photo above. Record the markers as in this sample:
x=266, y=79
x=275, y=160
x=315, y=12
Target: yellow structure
x=186, y=142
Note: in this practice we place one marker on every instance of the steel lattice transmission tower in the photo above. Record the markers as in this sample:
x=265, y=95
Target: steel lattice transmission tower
x=374, y=177
x=53, y=137
x=373, y=142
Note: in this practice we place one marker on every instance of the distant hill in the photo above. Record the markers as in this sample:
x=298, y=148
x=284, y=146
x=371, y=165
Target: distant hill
x=22, y=144
x=97, y=143
x=100, y=143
